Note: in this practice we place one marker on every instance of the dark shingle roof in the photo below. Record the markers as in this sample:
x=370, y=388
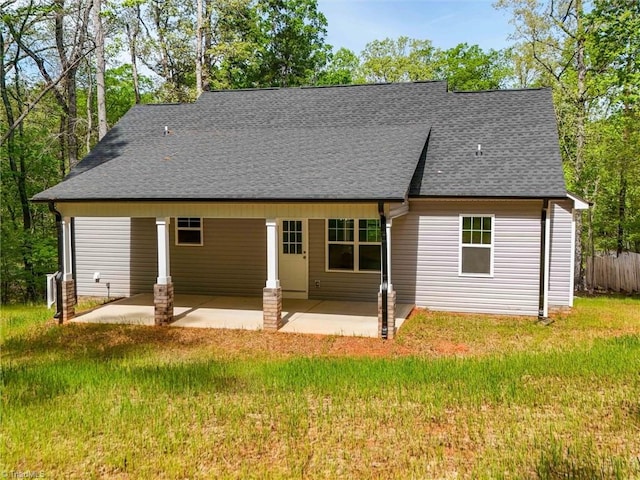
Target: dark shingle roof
x=329, y=143
x=518, y=136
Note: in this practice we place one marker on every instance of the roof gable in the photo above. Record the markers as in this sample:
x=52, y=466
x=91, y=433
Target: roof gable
x=519, y=154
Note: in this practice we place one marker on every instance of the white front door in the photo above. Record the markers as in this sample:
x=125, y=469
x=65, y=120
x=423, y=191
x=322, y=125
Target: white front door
x=293, y=267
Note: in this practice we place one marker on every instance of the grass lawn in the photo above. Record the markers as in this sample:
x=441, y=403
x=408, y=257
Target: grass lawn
x=454, y=396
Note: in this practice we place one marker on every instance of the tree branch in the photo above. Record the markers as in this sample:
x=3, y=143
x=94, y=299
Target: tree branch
x=30, y=107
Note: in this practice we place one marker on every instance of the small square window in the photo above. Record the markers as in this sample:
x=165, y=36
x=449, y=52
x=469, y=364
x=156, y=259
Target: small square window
x=189, y=231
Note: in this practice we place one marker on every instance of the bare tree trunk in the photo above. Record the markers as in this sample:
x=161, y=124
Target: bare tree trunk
x=199, y=48
x=18, y=170
x=70, y=63
x=89, y=108
x=622, y=202
x=100, y=70
x=581, y=116
x=167, y=74
x=62, y=141
x=207, y=61
x=590, y=285
x=132, y=35
x=72, y=119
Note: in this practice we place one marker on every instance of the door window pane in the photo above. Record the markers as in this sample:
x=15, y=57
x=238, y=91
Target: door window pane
x=292, y=237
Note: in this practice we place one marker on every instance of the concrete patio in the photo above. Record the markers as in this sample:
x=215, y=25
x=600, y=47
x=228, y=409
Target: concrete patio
x=245, y=313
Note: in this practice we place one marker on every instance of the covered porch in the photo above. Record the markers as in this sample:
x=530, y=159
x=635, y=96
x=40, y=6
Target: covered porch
x=278, y=260
x=323, y=317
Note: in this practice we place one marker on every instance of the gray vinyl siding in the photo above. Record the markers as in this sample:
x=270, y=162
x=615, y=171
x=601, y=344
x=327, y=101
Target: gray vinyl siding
x=425, y=249
x=144, y=255
x=232, y=260
x=336, y=285
x=560, y=254
x=102, y=245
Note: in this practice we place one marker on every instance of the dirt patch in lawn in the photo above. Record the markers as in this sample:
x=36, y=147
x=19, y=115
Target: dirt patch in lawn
x=424, y=333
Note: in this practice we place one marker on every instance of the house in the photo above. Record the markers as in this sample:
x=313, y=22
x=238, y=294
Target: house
x=388, y=192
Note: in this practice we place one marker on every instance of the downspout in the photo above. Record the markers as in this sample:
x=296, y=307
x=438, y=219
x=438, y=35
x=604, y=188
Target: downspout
x=58, y=275
x=542, y=314
x=73, y=256
x=384, y=284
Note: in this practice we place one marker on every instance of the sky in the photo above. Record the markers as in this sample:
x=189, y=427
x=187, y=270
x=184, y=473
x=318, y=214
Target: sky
x=354, y=23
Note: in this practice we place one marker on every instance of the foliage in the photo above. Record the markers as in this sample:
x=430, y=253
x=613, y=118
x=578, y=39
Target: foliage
x=401, y=60
x=586, y=51
x=342, y=69
x=293, y=51
x=465, y=67
x=468, y=67
x=120, y=94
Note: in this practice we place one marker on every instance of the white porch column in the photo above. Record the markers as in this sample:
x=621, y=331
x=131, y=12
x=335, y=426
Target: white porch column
x=389, y=269
x=66, y=250
x=67, y=285
x=547, y=257
x=163, y=289
x=164, y=275
x=272, y=293
x=273, y=280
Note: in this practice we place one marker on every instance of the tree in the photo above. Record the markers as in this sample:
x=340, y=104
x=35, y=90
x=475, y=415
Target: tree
x=233, y=42
x=26, y=158
x=615, y=50
x=342, y=69
x=552, y=37
x=293, y=50
x=401, y=60
x=100, y=68
x=470, y=68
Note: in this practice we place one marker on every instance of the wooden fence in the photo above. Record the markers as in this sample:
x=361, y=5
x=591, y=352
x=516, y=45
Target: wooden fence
x=617, y=274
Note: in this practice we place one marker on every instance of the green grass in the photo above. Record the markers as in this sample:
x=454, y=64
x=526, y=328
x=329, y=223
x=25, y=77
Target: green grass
x=518, y=401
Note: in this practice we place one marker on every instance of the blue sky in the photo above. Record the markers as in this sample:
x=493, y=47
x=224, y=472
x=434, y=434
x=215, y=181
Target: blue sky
x=354, y=23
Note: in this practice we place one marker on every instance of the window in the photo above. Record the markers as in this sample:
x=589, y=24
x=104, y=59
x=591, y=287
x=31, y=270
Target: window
x=292, y=237
x=476, y=245
x=353, y=245
x=188, y=231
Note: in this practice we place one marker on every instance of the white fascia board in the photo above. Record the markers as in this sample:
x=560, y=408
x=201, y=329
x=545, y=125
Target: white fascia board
x=399, y=210
x=578, y=203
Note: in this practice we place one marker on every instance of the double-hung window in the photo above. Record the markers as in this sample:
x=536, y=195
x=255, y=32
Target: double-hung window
x=189, y=231
x=353, y=245
x=476, y=245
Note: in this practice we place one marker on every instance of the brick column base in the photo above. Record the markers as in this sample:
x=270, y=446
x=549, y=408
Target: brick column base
x=391, y=314
x=163, y=302
x=68, y=301
x=271, y=309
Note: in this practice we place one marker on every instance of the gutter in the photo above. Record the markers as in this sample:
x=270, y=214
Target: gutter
x=384, y=284
x=58, y=274
x=545, y=227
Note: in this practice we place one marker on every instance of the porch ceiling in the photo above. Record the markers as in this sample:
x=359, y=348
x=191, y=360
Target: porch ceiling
x=245, y=313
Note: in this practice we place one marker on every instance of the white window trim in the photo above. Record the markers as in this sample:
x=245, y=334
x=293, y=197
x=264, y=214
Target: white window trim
x=356, y=247
x=200, y=229
x=491, y=246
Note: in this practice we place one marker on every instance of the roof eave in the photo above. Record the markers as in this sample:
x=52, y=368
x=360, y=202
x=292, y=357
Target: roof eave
x=220, y=200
